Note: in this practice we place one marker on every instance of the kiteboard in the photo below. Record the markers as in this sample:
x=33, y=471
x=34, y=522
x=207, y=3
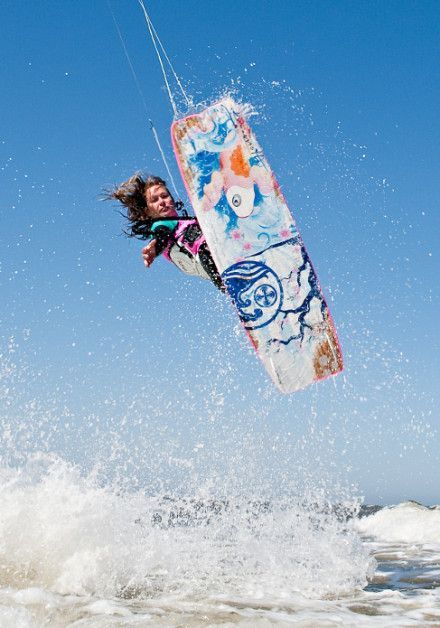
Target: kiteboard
x=256, y=246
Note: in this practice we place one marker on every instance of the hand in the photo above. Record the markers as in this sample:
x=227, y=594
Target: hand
x=149, y=253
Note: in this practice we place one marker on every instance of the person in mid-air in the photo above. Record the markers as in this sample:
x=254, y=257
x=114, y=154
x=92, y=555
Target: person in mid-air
x=153, y=214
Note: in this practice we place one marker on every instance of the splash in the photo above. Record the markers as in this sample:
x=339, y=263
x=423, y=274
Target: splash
x=150, y=519
x=62, y=532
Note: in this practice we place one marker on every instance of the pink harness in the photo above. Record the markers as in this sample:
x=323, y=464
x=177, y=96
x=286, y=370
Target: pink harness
x=187, y=249
x=187, y=236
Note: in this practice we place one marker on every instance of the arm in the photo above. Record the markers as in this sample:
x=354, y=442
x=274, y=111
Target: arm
x=157, y=245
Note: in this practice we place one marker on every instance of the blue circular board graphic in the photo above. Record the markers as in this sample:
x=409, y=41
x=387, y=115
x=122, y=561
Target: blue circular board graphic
x=256, y=291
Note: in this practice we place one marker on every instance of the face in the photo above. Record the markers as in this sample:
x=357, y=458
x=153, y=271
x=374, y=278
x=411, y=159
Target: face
x=160, y=203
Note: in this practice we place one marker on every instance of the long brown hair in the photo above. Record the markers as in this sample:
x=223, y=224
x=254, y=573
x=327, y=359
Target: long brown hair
x=131, y=194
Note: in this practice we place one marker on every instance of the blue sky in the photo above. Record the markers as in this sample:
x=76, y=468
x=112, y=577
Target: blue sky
x=346, y=96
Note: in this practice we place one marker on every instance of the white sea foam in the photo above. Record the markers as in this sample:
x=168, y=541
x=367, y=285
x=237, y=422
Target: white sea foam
x=61, y=531
x=72, y=550
x=409, y=522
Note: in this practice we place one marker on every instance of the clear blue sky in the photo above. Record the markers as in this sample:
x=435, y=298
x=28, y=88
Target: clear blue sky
x=347, y=96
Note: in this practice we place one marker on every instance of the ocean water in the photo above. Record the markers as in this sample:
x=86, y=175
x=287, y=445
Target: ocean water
x=76, y=553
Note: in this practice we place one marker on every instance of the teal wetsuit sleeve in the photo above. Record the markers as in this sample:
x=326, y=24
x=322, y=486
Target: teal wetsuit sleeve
x=169, y=224
x=162, y=231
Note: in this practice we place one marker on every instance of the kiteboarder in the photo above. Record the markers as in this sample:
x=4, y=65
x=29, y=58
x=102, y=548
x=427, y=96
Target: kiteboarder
x=153, y=214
